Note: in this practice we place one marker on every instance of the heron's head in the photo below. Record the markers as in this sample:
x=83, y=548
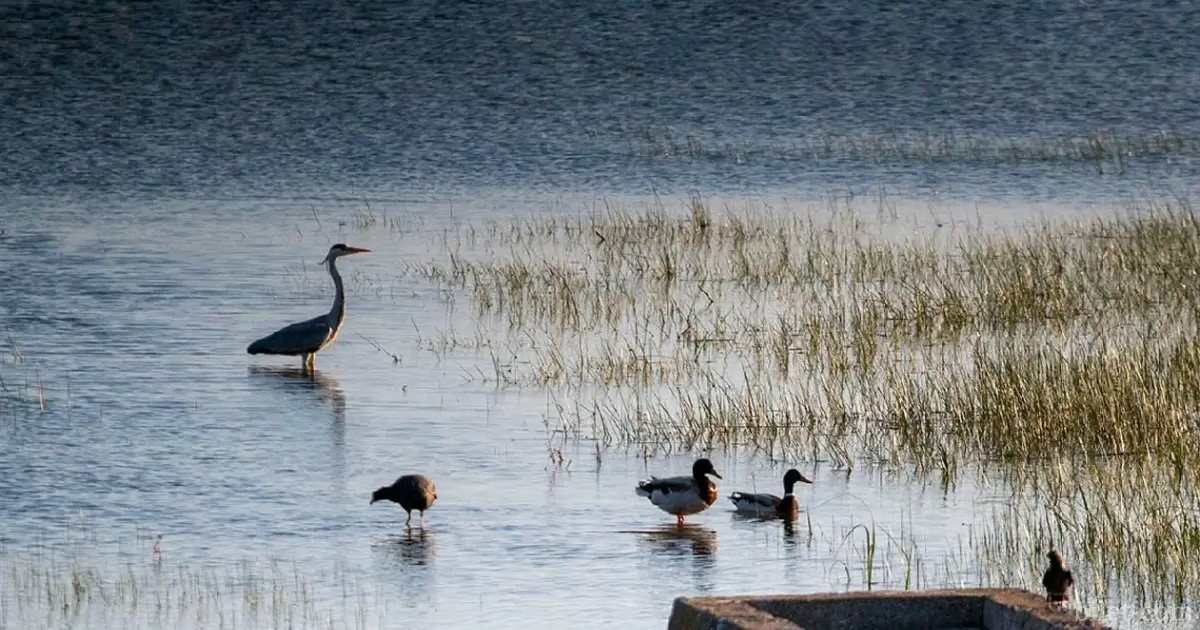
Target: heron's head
x=341, y=249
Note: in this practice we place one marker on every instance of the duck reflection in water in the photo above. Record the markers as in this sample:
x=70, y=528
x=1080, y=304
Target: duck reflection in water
x=680, y=539
x=415, y=547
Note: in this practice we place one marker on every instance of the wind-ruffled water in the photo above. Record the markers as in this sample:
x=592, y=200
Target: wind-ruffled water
x=172, y=176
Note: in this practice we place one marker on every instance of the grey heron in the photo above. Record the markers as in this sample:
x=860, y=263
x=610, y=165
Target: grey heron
x=412, y=492
x=306, y=338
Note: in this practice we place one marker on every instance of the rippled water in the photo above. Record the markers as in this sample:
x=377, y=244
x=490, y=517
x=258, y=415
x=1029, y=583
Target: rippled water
x=157, y=423
x=173, y=173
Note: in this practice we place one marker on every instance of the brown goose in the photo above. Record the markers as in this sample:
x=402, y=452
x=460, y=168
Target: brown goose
x=412, y=492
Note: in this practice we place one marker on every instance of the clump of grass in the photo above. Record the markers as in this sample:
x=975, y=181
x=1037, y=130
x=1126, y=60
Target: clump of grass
x=43, y=589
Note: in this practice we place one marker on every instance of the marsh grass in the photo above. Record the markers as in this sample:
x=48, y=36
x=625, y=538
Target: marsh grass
x=22, y=391
x=1096, y=149
x=1061, y=355
x=46, y=589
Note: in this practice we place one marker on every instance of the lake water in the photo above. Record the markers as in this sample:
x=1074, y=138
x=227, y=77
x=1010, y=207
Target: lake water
x=173, y=175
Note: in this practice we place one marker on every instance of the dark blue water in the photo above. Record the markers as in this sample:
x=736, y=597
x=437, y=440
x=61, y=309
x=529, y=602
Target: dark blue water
x=430, y=98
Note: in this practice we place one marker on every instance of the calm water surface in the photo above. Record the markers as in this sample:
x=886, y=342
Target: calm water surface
x=172, y=175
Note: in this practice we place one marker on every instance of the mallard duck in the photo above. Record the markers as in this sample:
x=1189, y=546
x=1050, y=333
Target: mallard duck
x=412, y=492
x=1057, y=578
x=682, y=495
x=763, y=504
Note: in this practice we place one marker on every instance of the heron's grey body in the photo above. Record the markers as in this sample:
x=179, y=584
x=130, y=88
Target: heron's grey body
x=306, y=338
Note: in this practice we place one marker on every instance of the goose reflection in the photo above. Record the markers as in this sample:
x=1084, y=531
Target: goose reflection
x=415, y=547
x=680, y=539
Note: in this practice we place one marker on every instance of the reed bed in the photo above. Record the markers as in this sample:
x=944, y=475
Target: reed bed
x=1098, y=147
x=1059, y=355
x=45, y=589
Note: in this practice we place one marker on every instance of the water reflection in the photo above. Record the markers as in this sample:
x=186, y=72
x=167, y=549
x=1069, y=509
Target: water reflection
x=763, y=516
x=324, y=387
x=294, y=379
x=415, y=547
x=680, y=539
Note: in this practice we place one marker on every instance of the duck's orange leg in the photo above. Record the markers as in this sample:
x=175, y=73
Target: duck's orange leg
x=679, y=519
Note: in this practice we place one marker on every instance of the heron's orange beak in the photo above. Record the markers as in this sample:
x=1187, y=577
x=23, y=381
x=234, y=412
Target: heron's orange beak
x=358, y=250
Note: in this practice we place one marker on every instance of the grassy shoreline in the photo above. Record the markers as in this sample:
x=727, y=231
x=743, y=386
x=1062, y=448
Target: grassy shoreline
x=1060, y=355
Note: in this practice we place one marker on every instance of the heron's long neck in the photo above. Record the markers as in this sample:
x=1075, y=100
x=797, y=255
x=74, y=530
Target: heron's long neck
x=338, y=312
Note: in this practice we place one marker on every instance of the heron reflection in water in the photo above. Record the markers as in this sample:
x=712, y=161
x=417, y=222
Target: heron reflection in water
x=300, y=379
x=322, y=386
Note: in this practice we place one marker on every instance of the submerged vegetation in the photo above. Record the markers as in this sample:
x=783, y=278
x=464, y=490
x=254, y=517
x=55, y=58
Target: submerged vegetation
x=1099, y=149
x=1061, y=356
x=56, y=592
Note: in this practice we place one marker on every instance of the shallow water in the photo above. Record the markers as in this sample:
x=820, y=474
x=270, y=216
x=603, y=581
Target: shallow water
x=173, y=175
x=157, y=423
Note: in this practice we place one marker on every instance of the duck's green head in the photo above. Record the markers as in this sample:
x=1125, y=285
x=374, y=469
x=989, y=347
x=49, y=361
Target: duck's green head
x=793, y=477
x=704, y=467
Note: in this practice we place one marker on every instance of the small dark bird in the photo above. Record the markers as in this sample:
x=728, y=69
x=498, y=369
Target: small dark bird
x=412, y=492
x=682, y=495
x=764, y=504
x=1057, y=578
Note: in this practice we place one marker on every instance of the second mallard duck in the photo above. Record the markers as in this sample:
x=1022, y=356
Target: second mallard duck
x=763, y=504
x=682, y=495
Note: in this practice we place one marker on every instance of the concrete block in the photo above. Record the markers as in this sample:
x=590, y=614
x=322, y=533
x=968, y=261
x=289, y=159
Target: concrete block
x=954, y=609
